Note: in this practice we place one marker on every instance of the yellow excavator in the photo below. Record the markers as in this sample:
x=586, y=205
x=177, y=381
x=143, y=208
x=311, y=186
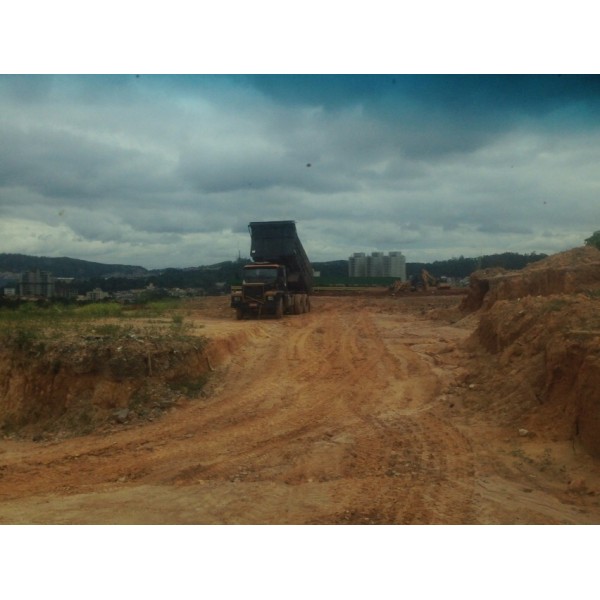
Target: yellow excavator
x=400, y=286
x=429, y=281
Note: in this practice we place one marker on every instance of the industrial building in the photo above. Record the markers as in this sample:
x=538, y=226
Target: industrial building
x=377, y=264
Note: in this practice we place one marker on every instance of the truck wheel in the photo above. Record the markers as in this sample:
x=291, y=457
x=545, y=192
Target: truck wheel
x=303, y=303
x=279, y=308
x=239, y=314
x=307, y=303
x=297, y=307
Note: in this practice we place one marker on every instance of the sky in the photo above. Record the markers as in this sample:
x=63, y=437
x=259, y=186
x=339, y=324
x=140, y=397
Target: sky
x=168, y=170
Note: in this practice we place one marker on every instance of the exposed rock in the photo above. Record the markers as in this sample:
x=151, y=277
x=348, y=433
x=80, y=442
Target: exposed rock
x=122, y=415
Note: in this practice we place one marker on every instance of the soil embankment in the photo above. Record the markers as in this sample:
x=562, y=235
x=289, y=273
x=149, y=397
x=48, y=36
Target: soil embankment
x=540, y=329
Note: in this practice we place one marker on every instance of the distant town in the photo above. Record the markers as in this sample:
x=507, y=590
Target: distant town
x=30, y=277
x=34, y=285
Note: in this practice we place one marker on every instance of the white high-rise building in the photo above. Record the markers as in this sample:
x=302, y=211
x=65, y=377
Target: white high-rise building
x=397, y=265
x=377, y=265
x=357, y=265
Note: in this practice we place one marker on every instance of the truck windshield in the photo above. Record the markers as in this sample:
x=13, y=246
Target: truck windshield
x=266, y=275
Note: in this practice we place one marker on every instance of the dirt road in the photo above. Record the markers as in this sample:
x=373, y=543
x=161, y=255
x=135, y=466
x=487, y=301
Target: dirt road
x=360, y=412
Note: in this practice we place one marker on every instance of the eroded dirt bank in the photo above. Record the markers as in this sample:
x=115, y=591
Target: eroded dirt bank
x=365, y=410
x=539, y=330
x=73, y=386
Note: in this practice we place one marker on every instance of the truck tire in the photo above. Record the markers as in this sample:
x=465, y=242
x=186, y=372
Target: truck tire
x=303, y=303
x=279, y=308
x=239, y=314
x=308, y=303
x=297, y=305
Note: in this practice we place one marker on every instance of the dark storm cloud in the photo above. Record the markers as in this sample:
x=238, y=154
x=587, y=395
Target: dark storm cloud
x=478, y=95
x=436, y=115
x=168, y=171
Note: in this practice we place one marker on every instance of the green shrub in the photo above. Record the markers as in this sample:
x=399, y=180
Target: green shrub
x=177, y=320
x=99, y=310
x=22, y=337
x=594, y=240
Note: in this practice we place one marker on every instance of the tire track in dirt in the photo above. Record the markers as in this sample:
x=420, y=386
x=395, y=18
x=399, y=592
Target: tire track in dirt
x=319, y=418
x=369, y=369
x=434, y=453
x=339, y=378
x=333, y=416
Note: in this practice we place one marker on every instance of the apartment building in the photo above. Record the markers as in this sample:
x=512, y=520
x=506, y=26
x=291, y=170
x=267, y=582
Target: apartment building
x=41, y=284
x=377, y=264
x=36, y=284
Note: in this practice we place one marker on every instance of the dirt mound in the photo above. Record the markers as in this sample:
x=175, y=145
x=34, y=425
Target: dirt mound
x=542, y=326
x=570, y=272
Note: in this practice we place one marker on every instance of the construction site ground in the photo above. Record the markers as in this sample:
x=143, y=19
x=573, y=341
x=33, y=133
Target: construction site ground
x=370, y=409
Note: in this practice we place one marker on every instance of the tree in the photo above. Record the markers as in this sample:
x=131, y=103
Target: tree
x=594, y=240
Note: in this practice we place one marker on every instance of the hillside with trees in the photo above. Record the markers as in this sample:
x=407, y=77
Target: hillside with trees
x=66, y=267
x=462, y=267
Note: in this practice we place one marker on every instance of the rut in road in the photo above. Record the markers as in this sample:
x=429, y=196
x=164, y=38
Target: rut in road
x=322, y=400
x=324, y=417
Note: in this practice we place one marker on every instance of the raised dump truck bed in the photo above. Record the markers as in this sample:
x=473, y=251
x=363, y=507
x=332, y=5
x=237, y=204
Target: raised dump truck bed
x=280, y=279
x=278, y=242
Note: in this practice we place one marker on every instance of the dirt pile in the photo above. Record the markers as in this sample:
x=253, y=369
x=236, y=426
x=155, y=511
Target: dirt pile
x=570, y=272
x=75, y=383
x=542, y=327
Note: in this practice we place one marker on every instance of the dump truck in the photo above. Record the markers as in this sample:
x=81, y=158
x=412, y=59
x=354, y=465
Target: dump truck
x=280, y=279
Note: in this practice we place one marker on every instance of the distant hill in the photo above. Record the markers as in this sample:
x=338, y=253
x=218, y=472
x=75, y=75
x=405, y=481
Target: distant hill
x=215, y=278
x=333, y=268
x=66, y=267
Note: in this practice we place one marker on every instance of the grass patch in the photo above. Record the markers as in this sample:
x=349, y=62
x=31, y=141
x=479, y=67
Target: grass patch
x=113, y=330
x=22, y=336
x=29, y=325
x=177, y=320
x=102, y=310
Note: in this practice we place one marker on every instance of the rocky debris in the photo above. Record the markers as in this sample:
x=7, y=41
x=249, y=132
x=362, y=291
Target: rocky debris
x=121, y=415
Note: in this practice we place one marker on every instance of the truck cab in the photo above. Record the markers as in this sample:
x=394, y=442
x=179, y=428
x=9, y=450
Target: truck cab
x=263, y=290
